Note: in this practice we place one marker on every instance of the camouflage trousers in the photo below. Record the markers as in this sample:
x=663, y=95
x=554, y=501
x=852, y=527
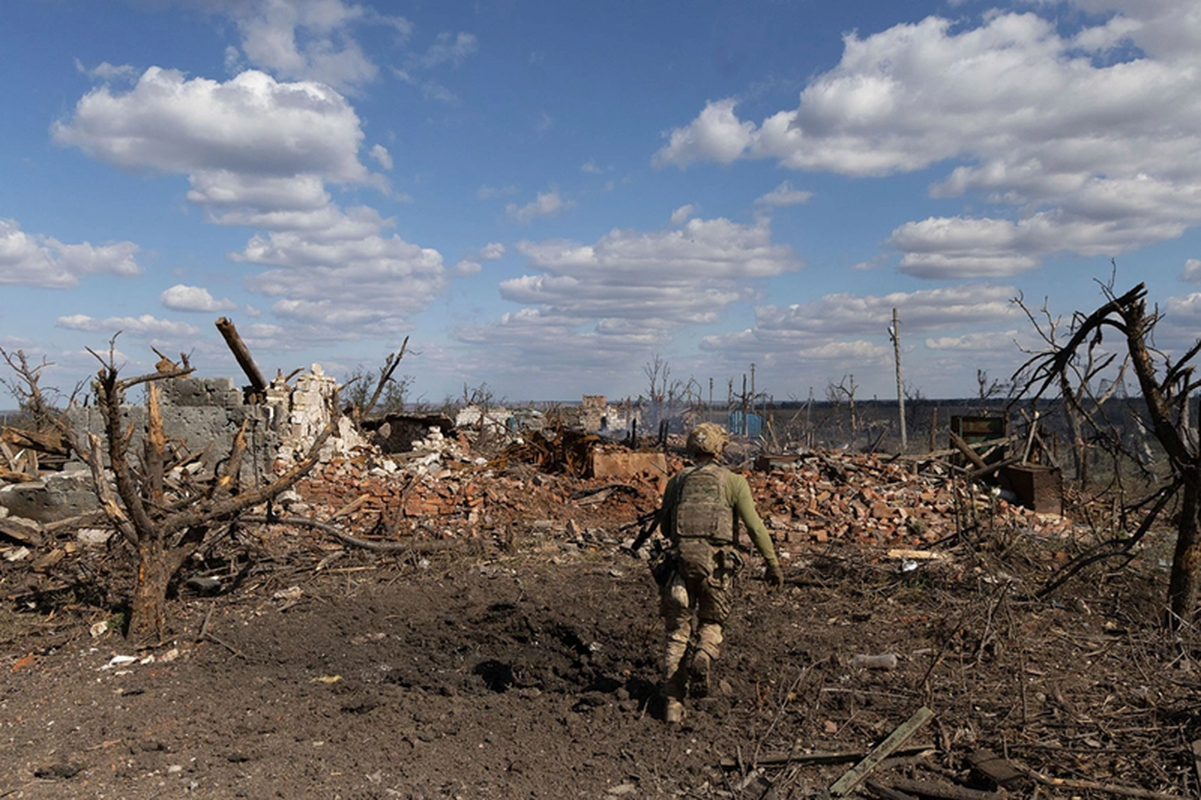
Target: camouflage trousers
x=695, y=602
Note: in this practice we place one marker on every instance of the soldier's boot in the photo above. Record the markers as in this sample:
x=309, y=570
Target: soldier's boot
x=708, y=647
x=698, y=674
x=673, y=713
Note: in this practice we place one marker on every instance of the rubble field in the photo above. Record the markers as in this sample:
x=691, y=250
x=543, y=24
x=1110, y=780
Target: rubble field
x=482, y=629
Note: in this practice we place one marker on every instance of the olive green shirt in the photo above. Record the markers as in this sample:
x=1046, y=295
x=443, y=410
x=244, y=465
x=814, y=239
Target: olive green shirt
x=738, y=493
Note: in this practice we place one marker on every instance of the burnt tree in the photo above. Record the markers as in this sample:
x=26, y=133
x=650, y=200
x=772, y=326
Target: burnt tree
x=165, y=520
x=1166, y=386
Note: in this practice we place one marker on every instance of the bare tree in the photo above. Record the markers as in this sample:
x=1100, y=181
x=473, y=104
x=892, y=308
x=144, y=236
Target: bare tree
x=844, y=390
x=662, y=391
x=1078, y=378
x=388, y=390
x=165, y=520
x=1166, y=386
x=38, y=405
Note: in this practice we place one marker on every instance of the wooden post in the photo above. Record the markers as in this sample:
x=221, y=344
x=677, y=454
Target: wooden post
x=895, y=334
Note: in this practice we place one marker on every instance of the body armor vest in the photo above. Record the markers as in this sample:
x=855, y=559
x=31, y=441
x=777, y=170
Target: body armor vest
x=702, y=509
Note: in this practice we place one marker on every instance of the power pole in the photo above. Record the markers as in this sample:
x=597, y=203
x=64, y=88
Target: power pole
x=894, y=333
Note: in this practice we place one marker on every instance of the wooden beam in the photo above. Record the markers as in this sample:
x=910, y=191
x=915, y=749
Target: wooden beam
x=856, y=774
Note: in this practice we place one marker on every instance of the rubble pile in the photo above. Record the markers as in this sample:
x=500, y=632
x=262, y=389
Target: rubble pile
x=820, y=497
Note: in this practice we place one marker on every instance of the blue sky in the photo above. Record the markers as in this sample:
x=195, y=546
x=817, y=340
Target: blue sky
x=545, y=196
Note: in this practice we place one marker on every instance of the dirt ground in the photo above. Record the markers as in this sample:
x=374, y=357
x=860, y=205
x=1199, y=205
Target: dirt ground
x=525, y=666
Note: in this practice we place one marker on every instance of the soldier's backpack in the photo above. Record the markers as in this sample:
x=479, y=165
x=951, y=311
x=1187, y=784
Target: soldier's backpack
x=702, y=518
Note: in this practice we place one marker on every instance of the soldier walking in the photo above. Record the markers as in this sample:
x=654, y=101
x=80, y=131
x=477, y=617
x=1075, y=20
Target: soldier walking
x=701, y=506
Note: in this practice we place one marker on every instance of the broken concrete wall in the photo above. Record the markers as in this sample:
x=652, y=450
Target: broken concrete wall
x=598, y=416
x=304, y=411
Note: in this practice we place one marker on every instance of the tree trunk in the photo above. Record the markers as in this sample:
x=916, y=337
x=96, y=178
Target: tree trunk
x=148, y=613
x=1182, y=586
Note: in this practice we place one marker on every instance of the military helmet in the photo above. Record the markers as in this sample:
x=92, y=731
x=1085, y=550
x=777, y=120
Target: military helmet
x=707, y=438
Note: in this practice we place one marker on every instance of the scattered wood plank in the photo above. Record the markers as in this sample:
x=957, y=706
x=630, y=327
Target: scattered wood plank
x=994, y=767
x=856, y=774
x=918, y=555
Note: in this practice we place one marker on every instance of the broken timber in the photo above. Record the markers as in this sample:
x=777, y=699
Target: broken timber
x=257, y=384
x=855, y=775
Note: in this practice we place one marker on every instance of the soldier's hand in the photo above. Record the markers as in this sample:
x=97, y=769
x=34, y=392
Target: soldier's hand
x=775, y=576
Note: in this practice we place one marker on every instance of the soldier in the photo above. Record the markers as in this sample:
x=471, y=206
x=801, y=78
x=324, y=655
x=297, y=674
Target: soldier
x=696, y=574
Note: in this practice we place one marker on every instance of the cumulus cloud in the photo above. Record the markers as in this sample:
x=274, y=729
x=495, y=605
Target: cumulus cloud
x=467, y=267
x=250, y=125
x=1085, y=142
x=144, y=325
x=492, y=251
x=38, y=260
x=546, y=204
x=258, y=153
x=784, y=195
x=382, y=156
x=346, y=285
x=307, y=39
x=1191, y=271
x=595, y=306
x=825, y=337
x=193, y=298
x=682, y=214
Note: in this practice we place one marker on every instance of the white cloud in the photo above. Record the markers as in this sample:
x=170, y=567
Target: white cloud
x=382, y=156
x=977, y=343
x=250, y=125
x=1191, y=271
x=448, y=49
x=546, y=204
x=599, y=305
x=784, y=195
x=848, y=333
x=492, y=251
x=716, y=135
x=193, y=298
x=144, y=325
x=258, y=153
x=37, y=260
x=344, y=286
x=1089, y=149
x=591, y=168
x=307, y=39
x=466, y=267
x=682, y=214
x=105, y=71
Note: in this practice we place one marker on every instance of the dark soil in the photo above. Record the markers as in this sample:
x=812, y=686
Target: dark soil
x=531, y=672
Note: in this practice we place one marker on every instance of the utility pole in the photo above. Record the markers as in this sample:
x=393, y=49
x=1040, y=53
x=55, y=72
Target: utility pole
x=752, y=387
x=894, y=333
